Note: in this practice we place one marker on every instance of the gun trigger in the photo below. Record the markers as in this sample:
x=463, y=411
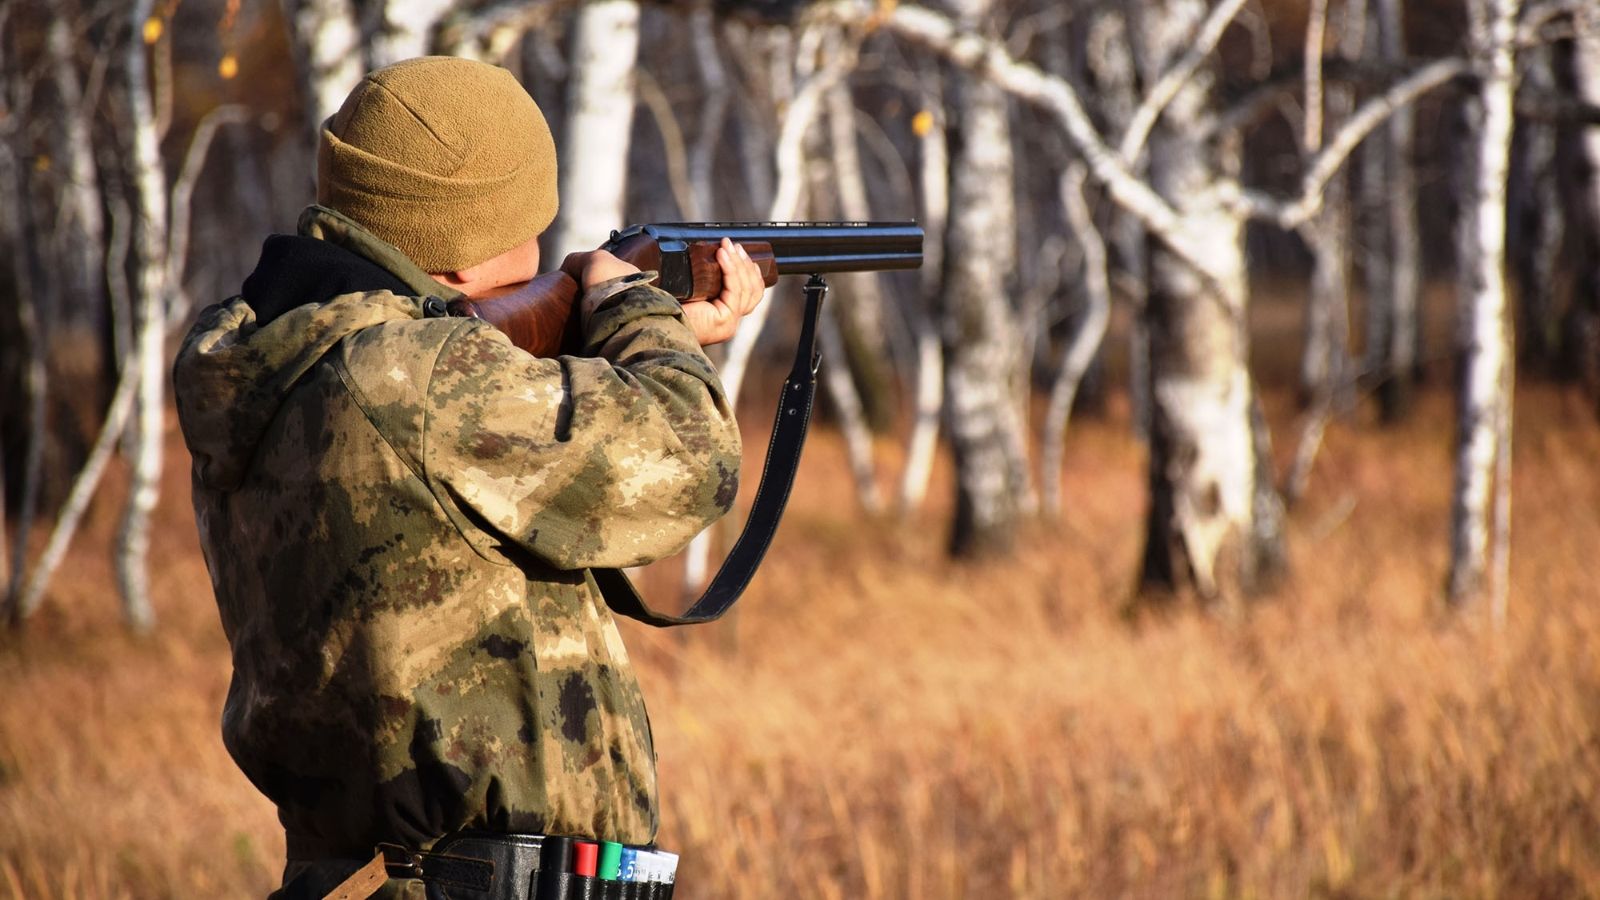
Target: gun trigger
x=816, y=363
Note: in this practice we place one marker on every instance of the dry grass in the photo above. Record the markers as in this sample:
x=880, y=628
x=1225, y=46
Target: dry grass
x=877, y=722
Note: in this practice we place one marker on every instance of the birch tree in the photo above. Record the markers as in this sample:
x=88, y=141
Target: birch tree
x=933, y=172
x=979, y=328
x=830, y=169
x=1394, y=260
x=1081, y=351
x=863, y=324
x=1586, y=62
x=1215, y=522
x=1110, y=60
x=1482, y=497
x=405, y=30
x=1201, y=528
x=150, y=289
x=1584, y=320
x=1324, y=371
x=326, y=43
x=594, y=149
x=80, y=228
x=796, y=86
x=1326, y=380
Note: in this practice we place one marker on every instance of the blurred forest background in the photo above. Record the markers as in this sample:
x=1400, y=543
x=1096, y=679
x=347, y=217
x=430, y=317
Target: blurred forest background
x=1301, y=275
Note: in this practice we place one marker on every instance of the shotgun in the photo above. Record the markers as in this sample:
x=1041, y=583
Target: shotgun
x=538, y=315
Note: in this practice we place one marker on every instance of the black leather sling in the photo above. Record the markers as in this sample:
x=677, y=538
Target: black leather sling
x=777, y=478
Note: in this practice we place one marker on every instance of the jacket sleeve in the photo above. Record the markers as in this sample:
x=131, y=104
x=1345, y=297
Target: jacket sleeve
x=614, y=458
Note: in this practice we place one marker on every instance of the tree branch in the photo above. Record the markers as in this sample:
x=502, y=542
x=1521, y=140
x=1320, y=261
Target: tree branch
x=655, y=100
x=990, y=59
x=194, y=161
x=1172, y=80
x=1290, y=214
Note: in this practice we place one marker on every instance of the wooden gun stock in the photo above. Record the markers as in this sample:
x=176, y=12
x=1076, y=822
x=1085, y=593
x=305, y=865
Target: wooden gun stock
x=541, y=315
x=536, y=315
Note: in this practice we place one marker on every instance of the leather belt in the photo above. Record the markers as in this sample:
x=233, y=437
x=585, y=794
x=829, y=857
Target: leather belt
x=484, y=866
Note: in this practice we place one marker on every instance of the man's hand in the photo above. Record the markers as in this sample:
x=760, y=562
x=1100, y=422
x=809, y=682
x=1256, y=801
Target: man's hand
x=595, y=266
x=715, y=320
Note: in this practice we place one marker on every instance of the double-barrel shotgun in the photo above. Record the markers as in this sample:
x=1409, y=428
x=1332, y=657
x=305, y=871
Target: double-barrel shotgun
x=538, y=315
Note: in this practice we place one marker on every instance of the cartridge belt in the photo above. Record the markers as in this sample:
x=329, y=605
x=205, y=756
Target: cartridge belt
x=487, y=866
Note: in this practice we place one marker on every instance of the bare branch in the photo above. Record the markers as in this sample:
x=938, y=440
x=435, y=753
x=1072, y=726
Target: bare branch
x=83, y=488
x=1085, y=344
x=1173, y=80
x=1530, y=29
x=1325, y=165
x=655, y=100
x=1316, y=33
x=988, y=57
x=888, y=156
x=714, y=111
x=790, y=152
x=194, y=162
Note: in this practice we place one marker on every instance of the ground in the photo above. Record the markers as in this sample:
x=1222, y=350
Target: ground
x=878, y=722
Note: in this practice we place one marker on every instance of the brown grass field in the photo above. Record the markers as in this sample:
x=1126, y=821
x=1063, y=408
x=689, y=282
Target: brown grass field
x=879, y=722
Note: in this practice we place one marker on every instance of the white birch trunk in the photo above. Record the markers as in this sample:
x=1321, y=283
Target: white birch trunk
x=852, y=419
x=860, y=312
x=82, y=226
x=800, y=113
x=934, y=177
x=1397, y=369
x=1585, y=318
x=1085, y=344
x=825, y=175
x=150, y=229
x=980, y=331
x=1325, y=367
x=1202, y=525
x=1111, y=61
x=83, y=488
x=594, y=150
x=1324, y=364
x=1586, y=62
x=714, y=111
x=327, y=50
x=194, y=161
x=405, y=29
x=1485, y=409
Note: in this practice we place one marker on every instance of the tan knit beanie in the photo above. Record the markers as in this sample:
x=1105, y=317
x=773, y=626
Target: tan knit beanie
x=447, y=159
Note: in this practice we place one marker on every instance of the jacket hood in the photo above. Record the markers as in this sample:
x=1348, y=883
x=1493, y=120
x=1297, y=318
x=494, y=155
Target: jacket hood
x=242, y=358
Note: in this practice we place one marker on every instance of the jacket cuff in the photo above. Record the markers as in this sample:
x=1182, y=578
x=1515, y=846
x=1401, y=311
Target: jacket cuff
x=612, y=304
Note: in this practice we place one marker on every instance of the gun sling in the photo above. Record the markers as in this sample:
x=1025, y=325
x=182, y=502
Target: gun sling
x=777, y=478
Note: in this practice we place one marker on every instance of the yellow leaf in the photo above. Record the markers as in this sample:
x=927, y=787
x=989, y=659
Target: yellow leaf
x=152, y=29
x=228, y=66
x=41, y=163
x=922, y=123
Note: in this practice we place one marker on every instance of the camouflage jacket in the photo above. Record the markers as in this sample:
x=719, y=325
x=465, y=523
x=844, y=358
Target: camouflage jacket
x=398, y=514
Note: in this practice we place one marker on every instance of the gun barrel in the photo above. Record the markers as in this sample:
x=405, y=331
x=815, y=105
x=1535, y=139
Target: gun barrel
x=803, y=248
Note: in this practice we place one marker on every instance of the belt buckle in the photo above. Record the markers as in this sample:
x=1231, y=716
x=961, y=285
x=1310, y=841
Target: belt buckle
x=401, y=862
